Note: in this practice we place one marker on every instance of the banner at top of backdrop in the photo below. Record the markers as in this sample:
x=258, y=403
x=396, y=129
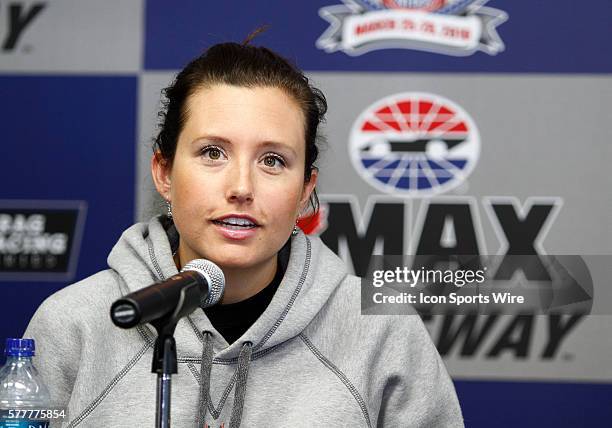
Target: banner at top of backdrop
x=551, y=36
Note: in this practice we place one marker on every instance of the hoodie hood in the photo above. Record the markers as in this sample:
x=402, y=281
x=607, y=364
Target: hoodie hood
x=143, y=256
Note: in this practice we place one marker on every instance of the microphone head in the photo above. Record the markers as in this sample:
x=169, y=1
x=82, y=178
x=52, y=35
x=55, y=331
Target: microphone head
x=214, y=276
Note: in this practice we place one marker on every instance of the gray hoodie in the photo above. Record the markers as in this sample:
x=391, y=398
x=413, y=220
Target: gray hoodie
x=311, y=359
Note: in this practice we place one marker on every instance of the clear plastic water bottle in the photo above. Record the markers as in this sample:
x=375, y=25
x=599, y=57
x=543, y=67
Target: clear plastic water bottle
x=24, y=398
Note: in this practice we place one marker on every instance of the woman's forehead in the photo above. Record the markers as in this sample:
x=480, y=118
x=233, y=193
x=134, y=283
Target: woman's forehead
x=263, y=101
x=234, y=112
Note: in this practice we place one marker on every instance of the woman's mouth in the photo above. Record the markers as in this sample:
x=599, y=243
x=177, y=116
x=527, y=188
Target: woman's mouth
x=236, y=223
x=236, y=228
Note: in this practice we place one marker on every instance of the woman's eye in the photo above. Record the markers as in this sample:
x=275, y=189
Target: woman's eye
x=212, y=153
x=273, y=161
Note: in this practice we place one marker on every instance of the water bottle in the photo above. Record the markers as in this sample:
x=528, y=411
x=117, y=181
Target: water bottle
x=24, y=398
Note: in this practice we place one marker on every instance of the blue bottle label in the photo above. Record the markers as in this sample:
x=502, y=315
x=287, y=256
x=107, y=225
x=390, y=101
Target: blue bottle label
x=23, y=423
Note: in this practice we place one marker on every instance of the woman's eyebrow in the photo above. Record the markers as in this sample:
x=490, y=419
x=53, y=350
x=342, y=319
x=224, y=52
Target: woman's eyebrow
x=278, y=146
x=212, y=138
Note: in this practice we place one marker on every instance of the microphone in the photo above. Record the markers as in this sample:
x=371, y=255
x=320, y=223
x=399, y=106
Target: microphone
x=199, y=284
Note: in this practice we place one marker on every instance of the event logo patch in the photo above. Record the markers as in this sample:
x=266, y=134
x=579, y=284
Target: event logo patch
x=451, y=27
x=414, y=144
x=40, y=240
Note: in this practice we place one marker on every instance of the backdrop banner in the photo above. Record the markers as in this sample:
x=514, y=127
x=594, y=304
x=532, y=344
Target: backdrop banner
x=455, y=127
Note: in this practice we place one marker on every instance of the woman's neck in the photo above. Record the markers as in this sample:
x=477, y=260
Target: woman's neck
x=242, y=283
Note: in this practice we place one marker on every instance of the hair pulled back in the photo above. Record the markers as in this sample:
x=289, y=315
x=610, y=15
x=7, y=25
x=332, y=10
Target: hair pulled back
x=246, y=66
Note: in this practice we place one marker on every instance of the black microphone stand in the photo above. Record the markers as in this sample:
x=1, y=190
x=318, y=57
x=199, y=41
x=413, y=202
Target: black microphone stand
x=164, y=354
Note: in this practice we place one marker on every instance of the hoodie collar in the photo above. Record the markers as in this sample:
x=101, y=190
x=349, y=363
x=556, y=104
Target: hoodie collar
x=143, y=256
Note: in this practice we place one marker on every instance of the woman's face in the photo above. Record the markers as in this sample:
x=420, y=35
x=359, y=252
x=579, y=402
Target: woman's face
x=236, y=184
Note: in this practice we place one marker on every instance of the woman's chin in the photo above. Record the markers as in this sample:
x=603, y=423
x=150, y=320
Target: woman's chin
x=237, y=262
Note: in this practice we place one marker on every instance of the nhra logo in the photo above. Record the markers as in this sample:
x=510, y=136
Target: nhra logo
x=414, y=144
x=452, y=27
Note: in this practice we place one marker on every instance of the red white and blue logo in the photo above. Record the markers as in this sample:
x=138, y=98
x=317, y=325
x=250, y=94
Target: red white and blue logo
x=414, y=144
x=451, y=27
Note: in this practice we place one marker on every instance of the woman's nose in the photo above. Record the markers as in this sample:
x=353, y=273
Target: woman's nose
x=240, y=183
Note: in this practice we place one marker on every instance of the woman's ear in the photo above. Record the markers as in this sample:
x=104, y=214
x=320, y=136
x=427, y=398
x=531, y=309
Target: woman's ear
x=309, y=187
x=160, y=170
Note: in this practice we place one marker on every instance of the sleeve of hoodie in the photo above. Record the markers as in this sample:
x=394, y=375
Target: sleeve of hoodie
x=57, y=339
x=419, y=392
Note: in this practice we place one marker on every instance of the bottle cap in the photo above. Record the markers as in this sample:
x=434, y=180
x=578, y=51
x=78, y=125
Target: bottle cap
x=19, y=347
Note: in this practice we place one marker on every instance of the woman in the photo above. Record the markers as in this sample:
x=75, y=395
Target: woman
x=287, y=347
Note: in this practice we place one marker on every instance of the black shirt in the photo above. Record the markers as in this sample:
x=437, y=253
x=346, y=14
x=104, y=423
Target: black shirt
x=234, y=319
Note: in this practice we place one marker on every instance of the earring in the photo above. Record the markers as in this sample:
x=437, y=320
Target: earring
x=295, y=230
x=169, y=209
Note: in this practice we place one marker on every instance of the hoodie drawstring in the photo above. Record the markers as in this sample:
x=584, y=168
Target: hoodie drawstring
x=242, y=374
x=244, y=358
x=205, y=367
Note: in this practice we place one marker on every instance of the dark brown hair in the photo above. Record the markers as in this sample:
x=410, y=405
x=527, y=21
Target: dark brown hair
x=246, y=66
